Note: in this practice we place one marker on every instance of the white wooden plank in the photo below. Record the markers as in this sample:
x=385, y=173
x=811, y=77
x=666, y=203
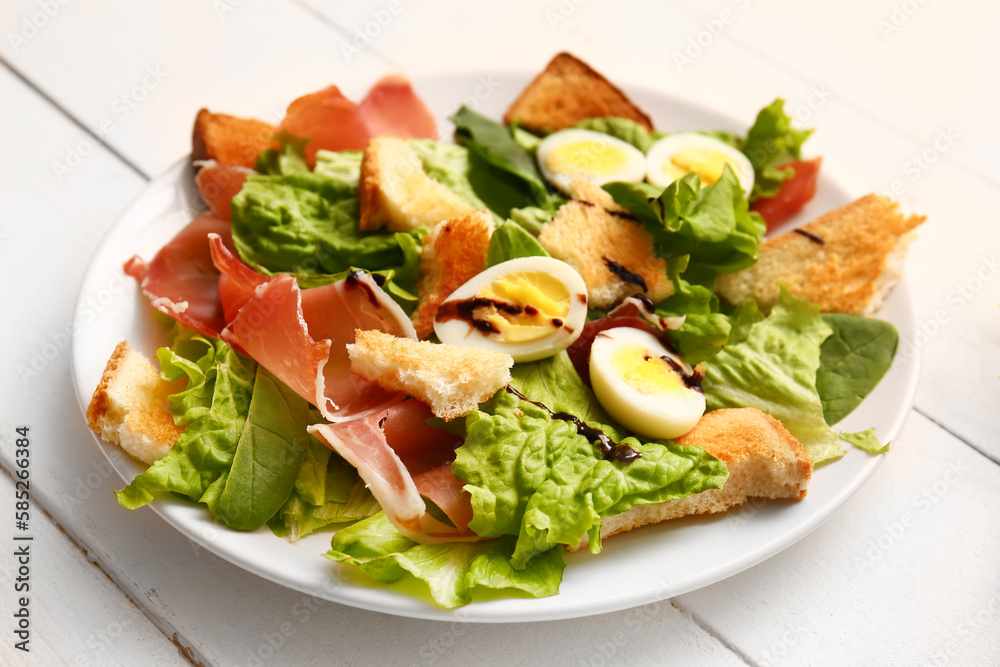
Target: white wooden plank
x=914, y=65
x=149, y=67
x=75, y=614
x=904, y=574
x=219, y=613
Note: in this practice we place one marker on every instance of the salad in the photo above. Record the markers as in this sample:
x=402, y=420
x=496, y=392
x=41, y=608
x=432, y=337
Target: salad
x=534, y=484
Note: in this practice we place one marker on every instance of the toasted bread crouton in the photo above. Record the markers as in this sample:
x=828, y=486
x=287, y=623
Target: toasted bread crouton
x=395, y=192
x=568, y=91
x=611, y=251
x=129, y=406
x=453, y=253
x=846, y=261
x=452, y=380
x=230, y=141
x=764, y=461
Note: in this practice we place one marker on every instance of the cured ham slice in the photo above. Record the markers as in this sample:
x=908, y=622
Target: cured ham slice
x=237, y=281
x=218, y=185
x=182, y=280
x=330, y=121
x=301, y=337
x=392, y=107
x=363, y=443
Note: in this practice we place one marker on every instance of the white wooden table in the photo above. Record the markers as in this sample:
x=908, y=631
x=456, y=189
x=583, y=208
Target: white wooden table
x=97, y=97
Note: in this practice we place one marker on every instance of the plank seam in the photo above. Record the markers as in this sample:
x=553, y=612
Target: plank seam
x=735, y=650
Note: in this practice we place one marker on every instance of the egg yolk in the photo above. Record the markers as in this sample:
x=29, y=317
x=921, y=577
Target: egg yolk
x=708, y=164
x=645, y=373
x=593, y=158
x=526, y=305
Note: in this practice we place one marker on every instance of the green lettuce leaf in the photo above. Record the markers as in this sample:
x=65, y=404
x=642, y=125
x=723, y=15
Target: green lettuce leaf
x=288, y=158
x=770, y=142
x=504, y=174
x=345, y=166
x=853, y=361
x=536, y=477
x=770, y=364
x=268, y=457
x=625, y=129
x=307, y=225
x=866, y=441
x=450, y=165
x=510, y=241
x=192, y=355
x=327, y=491
x=525, y=139
x=531, y=218
x=713, y=225
x=197, y=464
x=451, y=571
x=705, y=330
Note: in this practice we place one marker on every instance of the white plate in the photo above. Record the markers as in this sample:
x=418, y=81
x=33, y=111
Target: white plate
x=647, y=565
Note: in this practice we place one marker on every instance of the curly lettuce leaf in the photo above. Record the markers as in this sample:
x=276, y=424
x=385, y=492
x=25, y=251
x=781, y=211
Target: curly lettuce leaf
x=345, y=166
x=770, y=142
x=197, y=464
x=307, y=225
x=451, y=165
x=451, y=571
x=625, y=129
x=853, y=361
x=713, y=225
x=770, y=363
x=191, y=355
x=536, y=477
x=288, y=158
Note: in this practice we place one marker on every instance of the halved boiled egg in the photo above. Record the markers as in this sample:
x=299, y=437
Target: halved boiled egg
x=597, y=156
x=677, y=154
x=530, y=308
x=647, y=388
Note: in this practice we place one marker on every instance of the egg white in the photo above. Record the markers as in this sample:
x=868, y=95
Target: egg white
x=461, y=332
x=633, y=169
x=665, y=149
x=656, y=415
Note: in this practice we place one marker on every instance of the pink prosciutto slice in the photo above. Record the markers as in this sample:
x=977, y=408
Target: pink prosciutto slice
x=363, y=443
x=218, y=185
x=330, y=121
x=301, y=337
x=181, y=280
x=392, y=107
x=237, y=281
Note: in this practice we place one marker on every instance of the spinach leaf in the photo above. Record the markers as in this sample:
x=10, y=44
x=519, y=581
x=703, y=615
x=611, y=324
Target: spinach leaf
x=853, y=361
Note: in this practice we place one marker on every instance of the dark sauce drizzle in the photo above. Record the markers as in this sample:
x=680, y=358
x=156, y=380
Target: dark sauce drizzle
x=626, y=275
x=811, y=237
x=353, y=280
x=466, y=310
x=692, y=380
x=608, y=448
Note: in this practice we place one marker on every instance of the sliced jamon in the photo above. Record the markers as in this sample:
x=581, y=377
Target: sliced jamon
x=237, y=281
x=363, y=443
x=391, y=107
x=181, y=280
x=218, y=185
x=330, y=121
x=446, y=491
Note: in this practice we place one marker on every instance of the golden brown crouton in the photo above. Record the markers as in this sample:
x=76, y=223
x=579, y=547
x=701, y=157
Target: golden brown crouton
x=452, y=380
x=610, y=250
x=846, y=261
x=129, y=406
x=396, y=193
x=452, y=255
x=568, y=91
x=230, y=141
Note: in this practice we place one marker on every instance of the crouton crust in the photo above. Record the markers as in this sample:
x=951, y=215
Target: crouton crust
x=568, y=91
x=229, y=140
x=846, y=261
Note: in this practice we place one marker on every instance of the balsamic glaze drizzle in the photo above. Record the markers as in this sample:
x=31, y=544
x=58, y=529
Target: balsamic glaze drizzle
x=608, y=448
x=810, y=236
x=353, y=279
x=625, y=275
x=693, y=379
